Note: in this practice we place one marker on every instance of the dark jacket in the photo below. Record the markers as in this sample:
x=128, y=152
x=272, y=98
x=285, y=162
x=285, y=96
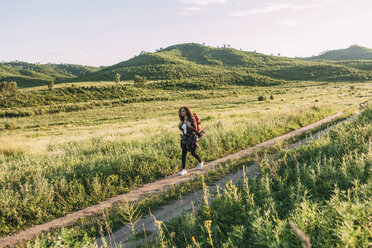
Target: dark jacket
x=190, y=139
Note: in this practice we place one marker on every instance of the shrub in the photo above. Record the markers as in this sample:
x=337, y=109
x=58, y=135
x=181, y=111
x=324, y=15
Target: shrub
x=50, y=84
x=261, y=98
x=8, y=90
x=140, y=81
x=11, y=125
x=117, y=78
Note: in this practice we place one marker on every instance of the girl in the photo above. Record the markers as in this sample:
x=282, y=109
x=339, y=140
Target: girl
x=189, y=138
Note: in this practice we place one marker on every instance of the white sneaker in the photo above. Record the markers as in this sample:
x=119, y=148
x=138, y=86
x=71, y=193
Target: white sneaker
x=182, y=172
x=200, y=165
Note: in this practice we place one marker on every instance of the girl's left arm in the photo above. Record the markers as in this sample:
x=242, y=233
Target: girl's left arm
x=192, y=125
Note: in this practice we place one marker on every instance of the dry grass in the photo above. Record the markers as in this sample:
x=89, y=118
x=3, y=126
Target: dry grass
x=10, y=146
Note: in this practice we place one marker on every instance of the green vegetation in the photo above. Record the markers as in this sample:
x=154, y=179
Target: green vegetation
x=200, y=63
x=66, y=146
x=54, y=164
x=323, y=188
x=8, y=91
x=353, y=52
x=76, y=174
x=71, y=98
x=50, y=84
x=139, y=81
x=31, y=75
x=177, y=69
x=358, y=64
x=117, y=78
x=85, y=231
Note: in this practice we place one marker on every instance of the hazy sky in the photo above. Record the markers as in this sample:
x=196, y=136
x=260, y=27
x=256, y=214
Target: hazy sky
x=105, y=32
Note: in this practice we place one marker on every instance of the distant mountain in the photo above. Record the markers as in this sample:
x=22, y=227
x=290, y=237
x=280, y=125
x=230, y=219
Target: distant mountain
x=354, y=52
x=27, y=74
x=199, y=62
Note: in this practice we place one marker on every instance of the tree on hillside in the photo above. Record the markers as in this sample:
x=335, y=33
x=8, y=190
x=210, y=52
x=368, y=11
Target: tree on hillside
x=117, y=78
x=178, y=75
x=50, y=84
x=221, y=78
x=8, y=90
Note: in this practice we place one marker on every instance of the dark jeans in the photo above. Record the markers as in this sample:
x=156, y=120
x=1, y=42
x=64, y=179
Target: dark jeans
x=184, y=153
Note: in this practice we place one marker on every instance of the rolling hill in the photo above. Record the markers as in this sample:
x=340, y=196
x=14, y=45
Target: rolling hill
x=353, y=52
x=199, y=62
x=28, y=75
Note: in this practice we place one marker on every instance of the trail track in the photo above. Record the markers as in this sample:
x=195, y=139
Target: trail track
x=124, y=237
x=157, y=187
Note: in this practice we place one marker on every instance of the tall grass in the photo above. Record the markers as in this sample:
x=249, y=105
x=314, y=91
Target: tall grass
x=37, y=188
x=323, y=189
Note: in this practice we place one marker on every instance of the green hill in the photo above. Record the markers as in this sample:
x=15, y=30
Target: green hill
x=28, y=75
x=354, y=52
x=198, y=62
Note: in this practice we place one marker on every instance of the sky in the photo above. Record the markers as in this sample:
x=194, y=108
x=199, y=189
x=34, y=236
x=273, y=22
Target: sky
x=106, y=32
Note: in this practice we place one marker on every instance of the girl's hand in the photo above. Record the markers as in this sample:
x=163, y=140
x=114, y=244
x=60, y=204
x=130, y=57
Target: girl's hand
x=188, y=123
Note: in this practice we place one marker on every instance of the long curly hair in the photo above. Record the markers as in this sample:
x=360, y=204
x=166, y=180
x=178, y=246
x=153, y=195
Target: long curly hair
x=188, y=111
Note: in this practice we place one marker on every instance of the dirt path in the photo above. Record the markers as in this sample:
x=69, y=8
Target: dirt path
x=155, y=187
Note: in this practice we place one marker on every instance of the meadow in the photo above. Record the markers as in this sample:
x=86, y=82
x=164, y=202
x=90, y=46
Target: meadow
x=317, y=195
x=53, y=164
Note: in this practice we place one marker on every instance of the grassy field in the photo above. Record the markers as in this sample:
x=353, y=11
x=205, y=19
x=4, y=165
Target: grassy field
x=318, y=195
x=53, y=164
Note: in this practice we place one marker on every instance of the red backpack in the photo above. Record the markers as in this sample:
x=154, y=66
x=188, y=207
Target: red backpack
x=199, y=129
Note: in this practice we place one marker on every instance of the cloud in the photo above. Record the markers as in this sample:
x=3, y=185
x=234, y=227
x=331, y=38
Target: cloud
x=202, y=2
x=192, y=9
x=288, y=22
x=279, y=38
x=184, y=13
x=10, y=32
x=270, y=8
x=64, y=53
x=59, y=53
x=280, y=6
x=359, y=23
x=188, y=11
